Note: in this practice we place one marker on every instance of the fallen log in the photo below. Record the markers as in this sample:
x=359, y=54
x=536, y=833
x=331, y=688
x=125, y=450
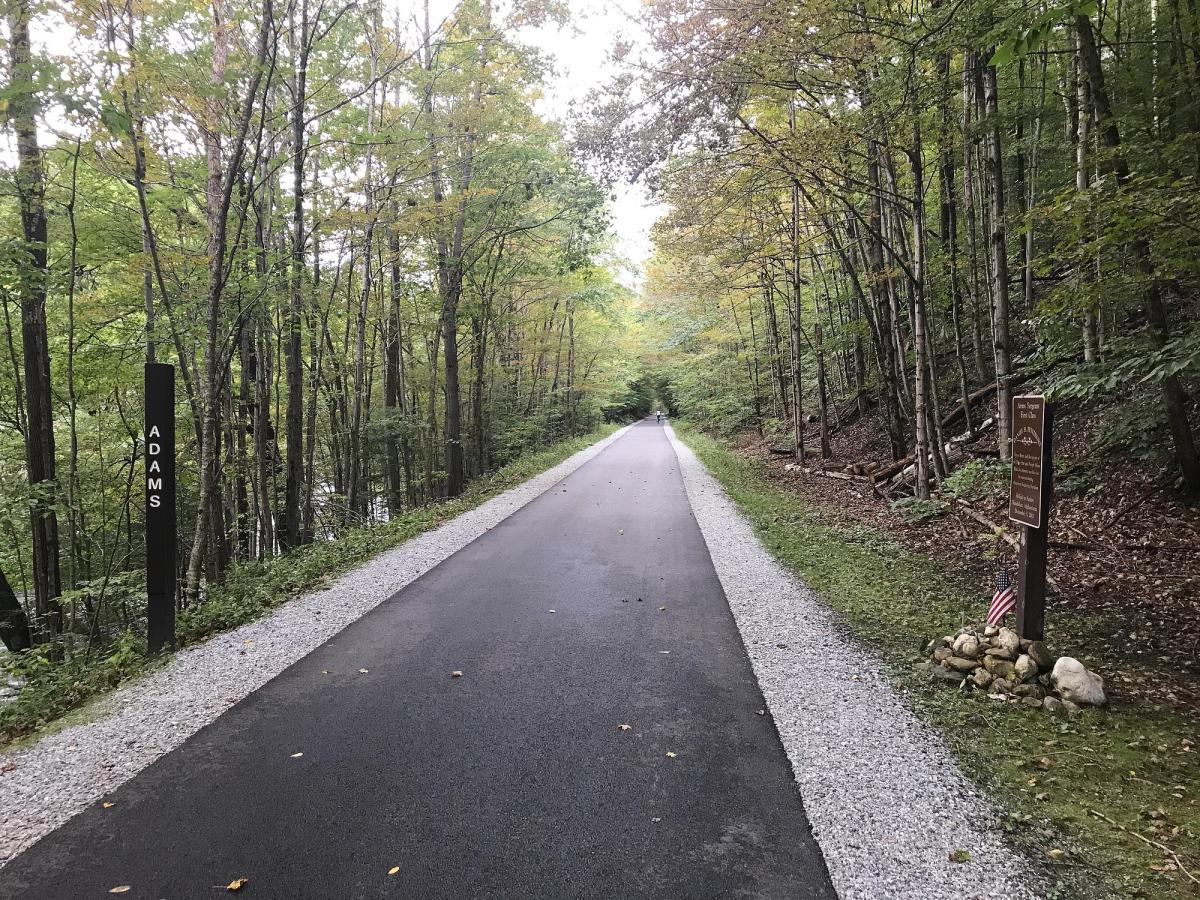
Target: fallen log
x=967, y=436
x=843, y=476
x=891, y=469
x=981, y=394
x=788, y=451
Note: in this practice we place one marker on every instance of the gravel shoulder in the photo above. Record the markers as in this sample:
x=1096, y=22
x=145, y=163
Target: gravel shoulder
x=44, y=785
x=886, y=801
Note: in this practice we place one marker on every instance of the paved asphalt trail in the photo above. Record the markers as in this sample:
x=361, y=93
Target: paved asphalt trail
x=511, y=781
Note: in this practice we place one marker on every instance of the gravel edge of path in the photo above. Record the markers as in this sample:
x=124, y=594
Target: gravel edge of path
x=885, y=798
x=46, y=784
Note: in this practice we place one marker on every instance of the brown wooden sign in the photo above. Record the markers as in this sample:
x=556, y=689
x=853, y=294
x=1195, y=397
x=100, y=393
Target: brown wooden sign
x=1028, y=458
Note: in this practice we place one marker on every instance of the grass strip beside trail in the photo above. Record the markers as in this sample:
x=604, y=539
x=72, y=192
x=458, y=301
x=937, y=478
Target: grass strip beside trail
x=1056, y=781
x=55, y=687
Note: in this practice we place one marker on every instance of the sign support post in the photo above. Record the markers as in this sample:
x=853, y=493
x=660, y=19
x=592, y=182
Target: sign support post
x=1029, y=504
x=160, y=506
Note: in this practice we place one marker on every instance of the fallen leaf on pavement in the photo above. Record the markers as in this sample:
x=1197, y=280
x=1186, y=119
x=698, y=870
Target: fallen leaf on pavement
x=119, y=889
x=671, y=754
x=236, y=885
x=623, y=727
x=297, y=755
x=362, y=671
x=662, y=609
x=1056, y=853
x=108, y=804
x=553, y=610
x=456, y=674
x=960, y=856
x=393, y=870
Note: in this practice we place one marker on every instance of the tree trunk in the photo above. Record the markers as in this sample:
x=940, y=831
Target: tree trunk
x=289, y=533
x=999, y=251
x=393, y=387
x=969, y=212
x=777, y=377
x=207, y=542
x=33, y=274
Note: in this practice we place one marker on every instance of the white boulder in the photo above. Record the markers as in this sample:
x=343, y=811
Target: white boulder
x=1074, y=682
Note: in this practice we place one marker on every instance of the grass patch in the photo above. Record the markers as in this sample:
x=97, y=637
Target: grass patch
x=55, y=687
x=1140, y=767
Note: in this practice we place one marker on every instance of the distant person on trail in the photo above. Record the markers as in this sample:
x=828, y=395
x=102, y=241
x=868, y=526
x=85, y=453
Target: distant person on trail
x=658, y=416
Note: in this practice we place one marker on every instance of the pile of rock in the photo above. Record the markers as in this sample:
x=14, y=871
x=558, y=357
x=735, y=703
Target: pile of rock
x=1006, y=667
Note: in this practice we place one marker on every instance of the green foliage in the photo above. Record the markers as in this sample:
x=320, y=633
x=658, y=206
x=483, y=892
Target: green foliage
x=915, y=510
x=1031, y=38
x=977, y=479
x=53, y=686
x=1132, y=363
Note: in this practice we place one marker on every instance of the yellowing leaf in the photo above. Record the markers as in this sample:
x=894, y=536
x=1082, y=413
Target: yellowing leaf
x=1056, y=853
x=671, y=754
x=119, y=889
x=108, y=804
x=236, y=885
x=393, y=870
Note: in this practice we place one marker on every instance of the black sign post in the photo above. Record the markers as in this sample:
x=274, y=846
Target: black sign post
x=1029, y=504
x=160, y=506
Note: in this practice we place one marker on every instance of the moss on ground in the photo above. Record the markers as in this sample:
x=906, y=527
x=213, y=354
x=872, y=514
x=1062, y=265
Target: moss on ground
x=1052, y=779
x=56, y=687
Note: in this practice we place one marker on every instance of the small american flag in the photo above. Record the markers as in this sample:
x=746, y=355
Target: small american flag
x=1005, y=597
